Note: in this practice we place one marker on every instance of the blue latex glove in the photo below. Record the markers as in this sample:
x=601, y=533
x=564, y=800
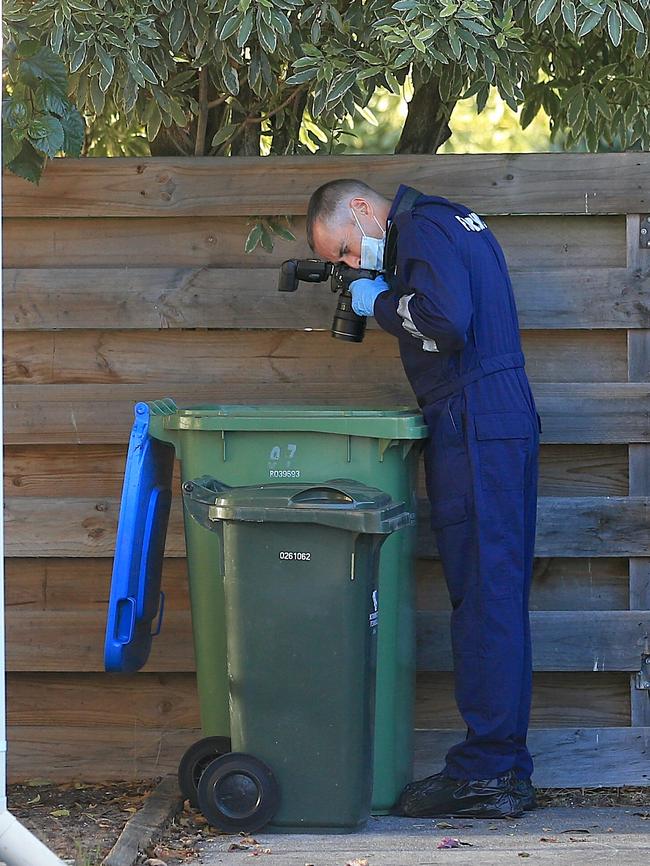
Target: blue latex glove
x=364, y=293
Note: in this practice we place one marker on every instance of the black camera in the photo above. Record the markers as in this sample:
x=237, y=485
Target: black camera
x=346, y=325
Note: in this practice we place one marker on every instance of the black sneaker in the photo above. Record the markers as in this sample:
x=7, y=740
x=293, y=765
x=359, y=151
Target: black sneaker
x=440, y=795
x=523, y=788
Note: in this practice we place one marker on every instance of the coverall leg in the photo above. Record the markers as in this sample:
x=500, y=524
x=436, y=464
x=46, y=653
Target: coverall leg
x=481, y=465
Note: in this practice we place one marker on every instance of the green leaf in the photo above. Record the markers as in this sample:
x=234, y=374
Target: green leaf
x=302, y=76
x=223, y=134
x=615, y=26
x=641, y=44
x=570, y=15
x=74, y=131
x=45, y=65
x=267, y=241
x=10, y=147
x=281, y=231
x=229, y=28
x=50, y=99
x=245, y=29
x=230, y=79
x=544, y=10
x=631, y=16
x=28, y=164
x=46, y=134
x=591, y=21
x=78, y=58
x=254, y=238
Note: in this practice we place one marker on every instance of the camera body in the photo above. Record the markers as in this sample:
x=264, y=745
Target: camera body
x=346, y=324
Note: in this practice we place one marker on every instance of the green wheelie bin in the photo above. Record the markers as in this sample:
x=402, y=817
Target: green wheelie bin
x=247, y=445
x=300, y=565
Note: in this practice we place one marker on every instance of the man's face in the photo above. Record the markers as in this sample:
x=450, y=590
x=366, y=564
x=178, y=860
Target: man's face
x=339, y=240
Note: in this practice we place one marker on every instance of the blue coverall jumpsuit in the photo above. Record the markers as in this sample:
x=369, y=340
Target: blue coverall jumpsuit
x=451, y=306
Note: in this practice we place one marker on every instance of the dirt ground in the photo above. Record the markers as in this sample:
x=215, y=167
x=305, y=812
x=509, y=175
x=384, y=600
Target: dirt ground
x=81, y=822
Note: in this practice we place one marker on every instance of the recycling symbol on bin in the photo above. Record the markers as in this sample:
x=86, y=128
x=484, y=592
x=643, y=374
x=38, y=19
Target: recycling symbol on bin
x=374, y=615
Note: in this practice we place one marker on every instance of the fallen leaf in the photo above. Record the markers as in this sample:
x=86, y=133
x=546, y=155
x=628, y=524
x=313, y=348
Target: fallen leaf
x=357, y=862
x=60, y=813
x=36, y=799
x=445, y=825
x=248, y=840
x=575, y=839
x=548, y=839
x=448, y=842
x=38, y=783
x=154, y=861
x=546, y=829
x=236, y=846
x=644, y=816
x=523, y=854
x=576, y=831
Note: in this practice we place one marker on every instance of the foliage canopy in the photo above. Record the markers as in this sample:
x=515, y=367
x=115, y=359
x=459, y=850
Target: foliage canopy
x=233, y=77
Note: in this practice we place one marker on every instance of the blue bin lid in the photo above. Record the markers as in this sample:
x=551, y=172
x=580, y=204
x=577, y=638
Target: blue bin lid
x=135, y=598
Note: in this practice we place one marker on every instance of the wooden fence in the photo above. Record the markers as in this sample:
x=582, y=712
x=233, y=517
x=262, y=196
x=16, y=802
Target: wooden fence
x=127, y=280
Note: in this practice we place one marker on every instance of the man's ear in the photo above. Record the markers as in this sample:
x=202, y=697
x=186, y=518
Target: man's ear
x=360, y=205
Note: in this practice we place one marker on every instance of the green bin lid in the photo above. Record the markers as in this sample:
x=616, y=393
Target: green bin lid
x=395, y=423
x=340, y=502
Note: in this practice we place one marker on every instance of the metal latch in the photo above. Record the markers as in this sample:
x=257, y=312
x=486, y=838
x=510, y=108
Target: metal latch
x=642, y=679
x=644, y=232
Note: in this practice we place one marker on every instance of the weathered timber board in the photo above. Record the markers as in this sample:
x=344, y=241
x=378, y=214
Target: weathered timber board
x=494, y=183
x=562, y=640
x=580, y=526
x=54, y=583
x=95, y=754
x=124, y=357
x=564, y=757
x=559, y=699
x=559, y=583
x=221, y=297
x=529, y=242
x=582, y=412
x=148, y=700
x=170, y=700
x=98, y=470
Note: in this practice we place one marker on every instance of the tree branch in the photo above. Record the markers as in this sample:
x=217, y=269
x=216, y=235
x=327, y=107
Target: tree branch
x=202, y=120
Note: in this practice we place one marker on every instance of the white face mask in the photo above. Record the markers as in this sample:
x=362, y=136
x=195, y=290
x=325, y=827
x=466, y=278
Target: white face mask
x=372, y=249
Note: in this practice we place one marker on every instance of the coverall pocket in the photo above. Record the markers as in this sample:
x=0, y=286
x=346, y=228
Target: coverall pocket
x=502, y=449
x=449, y=510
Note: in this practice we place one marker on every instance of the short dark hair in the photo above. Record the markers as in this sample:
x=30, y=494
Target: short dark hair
x=325, y=201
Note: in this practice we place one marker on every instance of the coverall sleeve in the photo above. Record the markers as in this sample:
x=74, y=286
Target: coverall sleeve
x=438, y=303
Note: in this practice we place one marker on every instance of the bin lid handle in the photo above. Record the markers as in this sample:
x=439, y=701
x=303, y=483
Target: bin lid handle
x=321, y=495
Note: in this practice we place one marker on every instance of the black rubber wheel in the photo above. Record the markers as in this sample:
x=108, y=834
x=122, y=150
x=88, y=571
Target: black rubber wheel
x=238, y=792
x=194, y=762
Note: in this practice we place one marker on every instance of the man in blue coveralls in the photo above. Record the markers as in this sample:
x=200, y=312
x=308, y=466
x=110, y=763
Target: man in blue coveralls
x=446, y=295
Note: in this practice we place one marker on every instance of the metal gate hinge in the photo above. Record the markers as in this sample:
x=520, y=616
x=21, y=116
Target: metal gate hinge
x=644, y=232
x=642, y=679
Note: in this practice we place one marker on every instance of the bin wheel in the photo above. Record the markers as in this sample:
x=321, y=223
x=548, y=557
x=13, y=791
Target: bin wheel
x=238, y=792
x=194, y=762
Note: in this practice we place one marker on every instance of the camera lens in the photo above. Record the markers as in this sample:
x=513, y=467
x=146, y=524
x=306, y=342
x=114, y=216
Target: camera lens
x=346, y=325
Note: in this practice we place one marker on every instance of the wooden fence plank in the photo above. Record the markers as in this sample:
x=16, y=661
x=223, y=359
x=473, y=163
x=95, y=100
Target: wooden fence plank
x=64, y=583
x=123, y=357
x=129, y=700
x=98, y=470
x=559, y=583
x=95, y=754
x=222, y=297
x=170, y=700
x=559, y=699
x=597, y=413
x=581, y=526
x=562, y=640
x=564, y=757
x=83, y=583
x=530, y=243
x=494, y=183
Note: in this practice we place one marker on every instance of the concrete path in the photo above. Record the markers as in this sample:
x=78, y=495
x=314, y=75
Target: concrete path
x=579, y=835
